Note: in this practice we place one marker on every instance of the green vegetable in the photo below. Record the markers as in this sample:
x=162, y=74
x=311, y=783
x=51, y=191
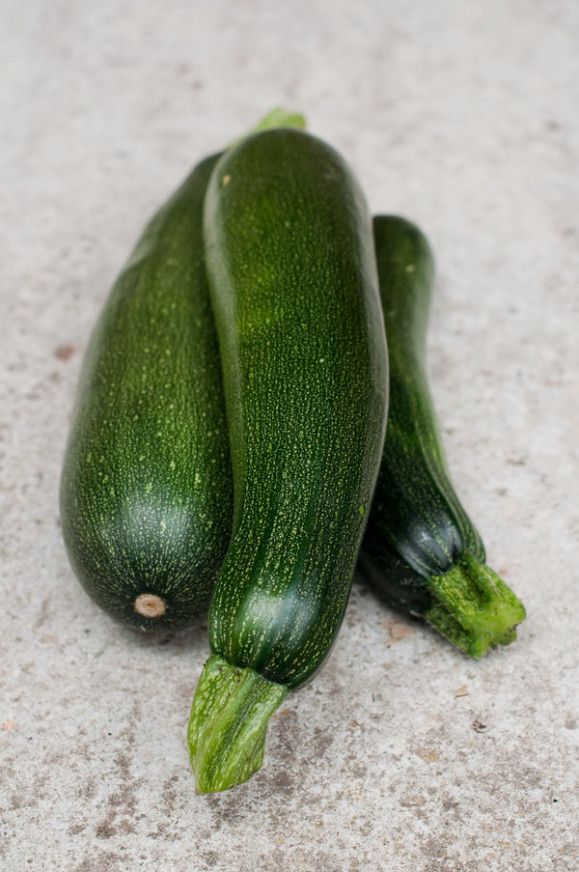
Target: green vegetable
x=146, y=495
x=294, y=291
x=421, y=551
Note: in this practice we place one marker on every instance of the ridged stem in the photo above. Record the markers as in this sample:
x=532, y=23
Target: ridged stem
x=228, y=724
x=473, y=607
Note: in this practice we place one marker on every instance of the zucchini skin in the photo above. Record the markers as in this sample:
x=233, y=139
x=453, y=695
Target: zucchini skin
x=421, y=551
x=146, y=492
x=294, y=290
x=415, y=507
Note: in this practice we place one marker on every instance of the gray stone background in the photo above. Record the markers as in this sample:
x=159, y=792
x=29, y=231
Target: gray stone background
x=402, y=755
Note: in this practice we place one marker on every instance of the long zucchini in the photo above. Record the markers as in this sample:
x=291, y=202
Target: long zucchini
x=421, y=551
x=294, y=291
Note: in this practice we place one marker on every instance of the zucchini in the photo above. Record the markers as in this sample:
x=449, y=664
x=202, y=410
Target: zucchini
x=293, y=283
x=146, y=493
x=421, y=551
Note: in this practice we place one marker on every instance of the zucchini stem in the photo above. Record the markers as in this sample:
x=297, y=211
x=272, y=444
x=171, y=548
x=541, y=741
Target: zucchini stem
x=228, y=724
x=276, y=117
x=473, y=607
x=279, y=117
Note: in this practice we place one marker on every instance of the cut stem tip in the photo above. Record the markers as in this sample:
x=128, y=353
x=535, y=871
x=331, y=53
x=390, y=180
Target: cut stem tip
x=228, y=724
x=474, y=608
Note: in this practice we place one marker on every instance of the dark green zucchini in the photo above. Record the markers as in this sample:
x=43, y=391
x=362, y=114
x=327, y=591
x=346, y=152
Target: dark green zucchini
x=421, y=551
x=294, y=290
x=146, y=493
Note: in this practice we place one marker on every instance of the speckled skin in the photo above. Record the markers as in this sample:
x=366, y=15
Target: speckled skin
x=421, y=551
x=294, y=290
x=462, y=116
x=146, y=486
x=415, y=508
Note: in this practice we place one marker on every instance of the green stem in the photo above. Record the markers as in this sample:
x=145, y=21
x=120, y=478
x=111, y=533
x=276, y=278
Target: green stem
x=279, y=117
x=276, y=117
x=473, y=607
x=228, y=724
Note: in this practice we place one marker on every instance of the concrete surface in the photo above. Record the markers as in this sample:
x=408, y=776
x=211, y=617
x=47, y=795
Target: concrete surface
x=402, y=755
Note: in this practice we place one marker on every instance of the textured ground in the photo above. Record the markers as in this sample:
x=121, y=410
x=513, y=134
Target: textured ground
x=402, y=755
